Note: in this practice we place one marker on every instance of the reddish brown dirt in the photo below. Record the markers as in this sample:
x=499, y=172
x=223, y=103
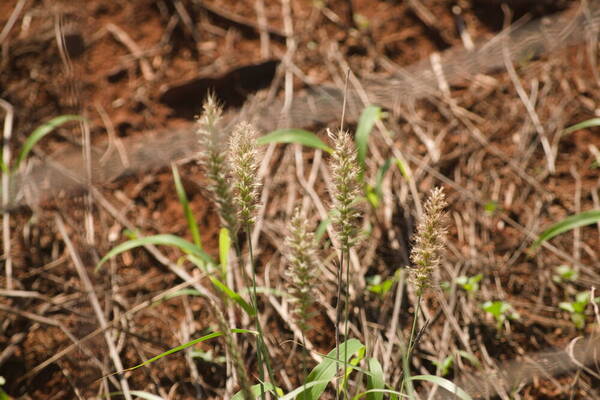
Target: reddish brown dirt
x=162, y=89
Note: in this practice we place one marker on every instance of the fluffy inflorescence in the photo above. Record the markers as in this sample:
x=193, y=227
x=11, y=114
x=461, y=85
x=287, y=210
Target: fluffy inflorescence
x=244, y=158
x=346, y=188
x=301, y=252
x=213, y=158
x=429, y=241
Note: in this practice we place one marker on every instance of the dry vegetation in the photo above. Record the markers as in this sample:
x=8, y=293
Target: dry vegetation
x=331, y=223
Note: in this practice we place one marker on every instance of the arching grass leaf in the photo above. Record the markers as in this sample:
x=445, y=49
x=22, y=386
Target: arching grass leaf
x=571, y=222
x=187, y=211
x=445, y=383
x=299, y=136
x=164, y=239
x=41, y=131
x=367, y=120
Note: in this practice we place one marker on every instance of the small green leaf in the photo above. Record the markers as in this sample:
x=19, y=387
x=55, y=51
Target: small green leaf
x=165, y=239
x=490, y=207
x=189, y=215
x=470, y=357
x=403, y=168
x=445, y=365
x=368, y=117
x=375, y=380
x=582, y=125
x=39, y=133
x=299, y=136
x=445, y=383
x=571, y=222
x=321, y=229
x=565, y=273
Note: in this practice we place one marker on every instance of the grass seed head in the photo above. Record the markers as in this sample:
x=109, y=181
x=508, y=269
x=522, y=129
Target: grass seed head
x=213, y=158
x=429, y=241
x=244, y=161
x=346, y=188
x=301, y=252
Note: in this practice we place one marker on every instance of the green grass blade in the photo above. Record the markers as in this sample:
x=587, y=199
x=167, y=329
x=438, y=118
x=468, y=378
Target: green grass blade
x=380, y=392
x=183, y=347
x=571, y=222
x=367, y=120
x=325, y=371
x=590, y=123
x=224, y=248
x=375, y=380
x=321, y=229
x=165, y=239
x=255, y=389
x=189, y=215
x=299, y=136
x=445, y=383
x=233, y=296
x=42, y=131
x=297, y=393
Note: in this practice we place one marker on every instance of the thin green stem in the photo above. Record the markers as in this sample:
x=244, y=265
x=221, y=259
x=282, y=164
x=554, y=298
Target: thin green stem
x=337, y=321
x=346, y=319
x=262, y=354
x=406, y=384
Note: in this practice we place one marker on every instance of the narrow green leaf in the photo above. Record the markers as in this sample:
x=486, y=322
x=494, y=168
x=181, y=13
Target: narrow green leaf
x=165, y=239
x=183, y=347
x=182, y=292
x=393, y=394
x=42, y=131
x=255, y=389
x=375, y=380
x=468, y=356
x=582, y=125
x=367, y=120
x=404, y=169
x=294, y=394
x=224, y=247
x=571, y=222
x=233, y=296
x=325, y=371
x=445, y=383
x=321, y=229
x=187, y=211
x=299, y=136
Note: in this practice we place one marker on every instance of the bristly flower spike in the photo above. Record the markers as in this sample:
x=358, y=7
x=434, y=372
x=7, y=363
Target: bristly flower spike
x=346, y=188
x=429, y=241
x=301, y=249
x=213, y=157
x=244, y=162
